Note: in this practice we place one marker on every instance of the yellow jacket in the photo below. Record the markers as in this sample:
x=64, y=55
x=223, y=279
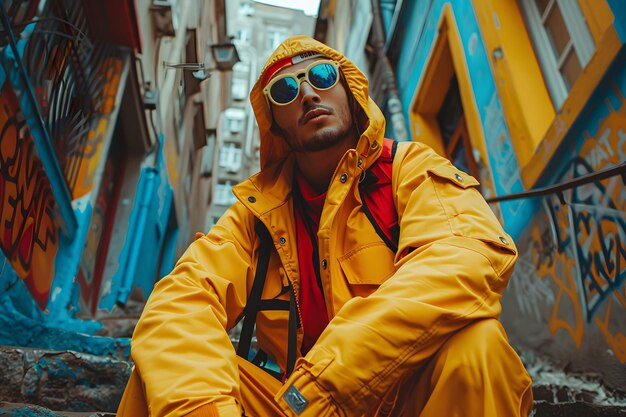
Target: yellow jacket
x=388, y=312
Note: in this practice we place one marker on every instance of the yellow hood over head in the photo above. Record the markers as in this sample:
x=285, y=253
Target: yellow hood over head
x=274, y=148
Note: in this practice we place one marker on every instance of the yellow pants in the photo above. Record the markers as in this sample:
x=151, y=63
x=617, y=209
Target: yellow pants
x=475, y=373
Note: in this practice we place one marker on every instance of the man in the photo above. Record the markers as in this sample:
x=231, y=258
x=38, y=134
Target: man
x=410, y=332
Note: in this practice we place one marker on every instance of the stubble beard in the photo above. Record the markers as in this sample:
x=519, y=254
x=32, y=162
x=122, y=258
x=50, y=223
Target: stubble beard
x=326, y=137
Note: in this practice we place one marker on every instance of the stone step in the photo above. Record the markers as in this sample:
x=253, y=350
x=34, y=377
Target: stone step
x=84, y=385
x=577, y=409
x=559, y=393
x=29, y=410
x=542, y=409
x=67, y=380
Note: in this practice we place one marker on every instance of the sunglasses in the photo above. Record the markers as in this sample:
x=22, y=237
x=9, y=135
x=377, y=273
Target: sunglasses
x=321, y=75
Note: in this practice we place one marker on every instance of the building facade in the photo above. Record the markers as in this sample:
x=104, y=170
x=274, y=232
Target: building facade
x=107, y=149
x=256, y=29
x=528, y=97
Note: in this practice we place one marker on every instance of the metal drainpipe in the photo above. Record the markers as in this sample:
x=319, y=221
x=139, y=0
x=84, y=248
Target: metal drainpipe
x=132, y=258
x=390, y=86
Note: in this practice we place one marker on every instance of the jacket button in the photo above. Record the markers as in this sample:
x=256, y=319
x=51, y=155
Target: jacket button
x=503, y=240
x=252, y=199
x=360, y=161
x=324, y=264
x=374, y=145
x=344, y=177
x=282, y=240
x=458, y=177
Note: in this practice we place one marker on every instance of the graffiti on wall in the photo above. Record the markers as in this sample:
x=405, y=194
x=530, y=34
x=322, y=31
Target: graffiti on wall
x=75, y=82
x=578, y=247
x=89, y=156
x=28, y=232
x=93, y=259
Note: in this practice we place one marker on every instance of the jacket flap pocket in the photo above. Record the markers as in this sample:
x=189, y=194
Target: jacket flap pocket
x=370, y=264
x=454, y=175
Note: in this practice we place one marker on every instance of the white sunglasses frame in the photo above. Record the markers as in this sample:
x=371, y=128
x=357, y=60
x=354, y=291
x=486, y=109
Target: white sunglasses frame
x=300, y=80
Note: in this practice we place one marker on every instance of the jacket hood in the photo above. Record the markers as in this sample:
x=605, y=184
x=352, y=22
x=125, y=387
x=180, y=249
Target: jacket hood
x=274, y=148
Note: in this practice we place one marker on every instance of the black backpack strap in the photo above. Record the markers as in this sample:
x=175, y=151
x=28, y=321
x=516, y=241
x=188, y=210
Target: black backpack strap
x=292, y=339
x=256, y=304
x=395, y=230
x=254, y=299
x=394, y=148
x=370, y=179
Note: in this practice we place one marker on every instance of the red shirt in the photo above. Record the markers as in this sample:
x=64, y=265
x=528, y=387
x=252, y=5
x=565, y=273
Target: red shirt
x=308, y=210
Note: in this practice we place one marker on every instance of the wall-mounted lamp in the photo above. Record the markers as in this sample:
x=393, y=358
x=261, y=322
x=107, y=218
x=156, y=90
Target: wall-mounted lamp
x=225, y=57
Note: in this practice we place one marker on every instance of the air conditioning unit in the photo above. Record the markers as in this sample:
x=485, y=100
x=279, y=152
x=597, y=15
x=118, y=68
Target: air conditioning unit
x=165, y=16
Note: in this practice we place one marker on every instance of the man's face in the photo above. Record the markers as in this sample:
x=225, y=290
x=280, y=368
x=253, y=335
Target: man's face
x=315, y=120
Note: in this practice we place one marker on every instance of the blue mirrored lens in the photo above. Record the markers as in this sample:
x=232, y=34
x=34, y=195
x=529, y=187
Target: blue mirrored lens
x=323, y=76
x=284, y=90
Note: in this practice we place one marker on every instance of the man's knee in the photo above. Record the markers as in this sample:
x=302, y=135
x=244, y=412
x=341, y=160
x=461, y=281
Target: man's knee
x=479, y=354
x=476, y=372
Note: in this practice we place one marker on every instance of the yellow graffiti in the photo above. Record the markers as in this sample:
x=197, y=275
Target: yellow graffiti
x=88, y=161
x=113, y=71
x=608, y=146
x=28, y=233
x=561, y=269
x=585, y=260
x=617, y=340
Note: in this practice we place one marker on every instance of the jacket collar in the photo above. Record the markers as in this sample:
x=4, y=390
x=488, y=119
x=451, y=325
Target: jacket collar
x=267, y=190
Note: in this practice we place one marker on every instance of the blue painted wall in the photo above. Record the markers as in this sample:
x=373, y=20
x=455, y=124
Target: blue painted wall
x=421, y=20
x=22, y=322
x=139, y=264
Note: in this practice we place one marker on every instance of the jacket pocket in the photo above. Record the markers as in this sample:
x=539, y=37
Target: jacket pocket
x=457, y=177
x=369, y=264
x=469, y=215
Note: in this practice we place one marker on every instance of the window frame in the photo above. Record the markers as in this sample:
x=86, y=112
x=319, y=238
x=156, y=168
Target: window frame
x=230, y=157
x=581, y=41
x=537, y=127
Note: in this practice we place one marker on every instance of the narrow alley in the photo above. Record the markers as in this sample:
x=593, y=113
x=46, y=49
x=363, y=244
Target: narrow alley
x=125, y=125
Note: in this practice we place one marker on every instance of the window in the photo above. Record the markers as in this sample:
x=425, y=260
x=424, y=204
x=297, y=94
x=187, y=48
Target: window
x=239, y=89
x=230, y=157
x=243, y=35
x=235, y=125
x=223, y=194
x=246, y=10
x=233, y=119
x=242, y=66
x=562, y=41
x=274, y=38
